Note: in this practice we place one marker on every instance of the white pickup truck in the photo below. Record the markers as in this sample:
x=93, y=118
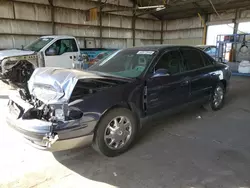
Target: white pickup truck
x=17, y=65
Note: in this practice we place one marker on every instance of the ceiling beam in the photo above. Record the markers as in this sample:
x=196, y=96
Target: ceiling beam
x=201, y=10
x=189, y=12
x=223, y=7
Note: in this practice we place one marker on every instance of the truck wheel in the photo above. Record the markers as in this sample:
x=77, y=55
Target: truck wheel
x=217, y=99
x=116, y=132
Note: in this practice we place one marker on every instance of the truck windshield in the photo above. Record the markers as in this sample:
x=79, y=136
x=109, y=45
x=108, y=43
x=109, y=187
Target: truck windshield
x=38, y=44
x=130, y=63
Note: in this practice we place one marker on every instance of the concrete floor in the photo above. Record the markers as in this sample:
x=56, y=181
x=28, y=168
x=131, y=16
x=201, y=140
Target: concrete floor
x=195, y=148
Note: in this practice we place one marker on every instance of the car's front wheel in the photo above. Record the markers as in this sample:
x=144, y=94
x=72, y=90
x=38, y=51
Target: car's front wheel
x=217, y=98
x=116, y=132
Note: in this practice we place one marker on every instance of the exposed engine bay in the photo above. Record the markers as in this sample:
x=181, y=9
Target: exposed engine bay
x=19, y=74
x=16, y=71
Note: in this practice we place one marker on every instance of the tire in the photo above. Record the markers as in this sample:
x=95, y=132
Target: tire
x=216, y=104
x=107, y=132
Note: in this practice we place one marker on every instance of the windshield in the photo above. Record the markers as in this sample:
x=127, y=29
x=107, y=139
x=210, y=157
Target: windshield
x=128, y=63
x=38, y=44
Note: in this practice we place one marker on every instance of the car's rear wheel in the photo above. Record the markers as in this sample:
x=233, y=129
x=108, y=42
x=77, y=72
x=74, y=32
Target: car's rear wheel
x=116, y=132
x=217, y=98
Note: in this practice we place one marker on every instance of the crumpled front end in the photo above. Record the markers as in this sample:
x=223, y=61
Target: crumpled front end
x=38, y=131
x=46, y=127
x=49, y=116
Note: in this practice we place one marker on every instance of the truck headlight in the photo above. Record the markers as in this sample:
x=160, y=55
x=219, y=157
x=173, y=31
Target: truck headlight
x=9, y=64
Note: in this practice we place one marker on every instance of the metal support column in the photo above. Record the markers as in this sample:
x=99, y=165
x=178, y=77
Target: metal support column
x=134, y=22
x=162, y=31
x=13, y=8
x=100, y=22
x=52, y=17
x=236, y=27
x=204, y=38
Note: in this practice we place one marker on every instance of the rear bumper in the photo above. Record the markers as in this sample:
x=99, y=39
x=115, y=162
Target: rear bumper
x=46, y=135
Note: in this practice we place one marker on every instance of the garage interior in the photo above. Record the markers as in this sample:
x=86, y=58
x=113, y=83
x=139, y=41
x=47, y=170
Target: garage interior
x=193, y=148
x=22, y=21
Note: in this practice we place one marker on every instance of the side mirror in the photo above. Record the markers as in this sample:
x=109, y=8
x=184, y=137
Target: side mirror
x=50, y=52
x=161, y=72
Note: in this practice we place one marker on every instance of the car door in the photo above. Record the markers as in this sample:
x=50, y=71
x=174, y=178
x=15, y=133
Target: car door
x=66, y=54
x=199, y=73
x=169, y=90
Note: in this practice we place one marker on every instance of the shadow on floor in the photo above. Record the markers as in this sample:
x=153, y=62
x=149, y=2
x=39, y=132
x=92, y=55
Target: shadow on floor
x=193, y=148
x=152, y=162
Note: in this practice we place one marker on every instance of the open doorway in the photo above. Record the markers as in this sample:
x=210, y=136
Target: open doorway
x=222, y=29
x=244, y=27
x=214, y=30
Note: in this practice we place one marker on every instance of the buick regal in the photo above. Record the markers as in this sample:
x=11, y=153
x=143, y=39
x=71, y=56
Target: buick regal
x=107, y=104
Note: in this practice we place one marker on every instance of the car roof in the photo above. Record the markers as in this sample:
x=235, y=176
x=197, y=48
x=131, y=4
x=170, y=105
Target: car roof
x=159, y=47
x=58, y=36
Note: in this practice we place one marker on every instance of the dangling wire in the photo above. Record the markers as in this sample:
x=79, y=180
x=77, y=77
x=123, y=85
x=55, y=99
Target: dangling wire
x=220, y=15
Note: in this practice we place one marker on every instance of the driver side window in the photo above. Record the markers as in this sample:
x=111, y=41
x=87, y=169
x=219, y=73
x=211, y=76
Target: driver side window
x=170, y=61
x=62, y=46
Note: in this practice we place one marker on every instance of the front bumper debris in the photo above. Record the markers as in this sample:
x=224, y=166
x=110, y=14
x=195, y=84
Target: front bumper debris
x=40, y=134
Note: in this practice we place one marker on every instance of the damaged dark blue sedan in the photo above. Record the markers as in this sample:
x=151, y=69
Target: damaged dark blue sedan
x=106, y=105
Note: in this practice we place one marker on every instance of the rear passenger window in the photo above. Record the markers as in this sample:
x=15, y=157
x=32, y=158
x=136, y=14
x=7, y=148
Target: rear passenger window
x=192, y=59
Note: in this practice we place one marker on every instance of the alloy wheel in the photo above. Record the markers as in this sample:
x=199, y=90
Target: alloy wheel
x=218, y=96
x=118, y=132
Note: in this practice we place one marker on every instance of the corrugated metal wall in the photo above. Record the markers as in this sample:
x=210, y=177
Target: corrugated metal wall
x=183, y=31
x=190, y=30
x=21, y=21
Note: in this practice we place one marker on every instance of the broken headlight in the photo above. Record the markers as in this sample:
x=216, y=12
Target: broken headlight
x=55, y=113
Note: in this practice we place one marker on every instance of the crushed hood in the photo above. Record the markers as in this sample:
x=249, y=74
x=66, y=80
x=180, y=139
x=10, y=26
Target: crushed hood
x=14, y=52
x=62, y=80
